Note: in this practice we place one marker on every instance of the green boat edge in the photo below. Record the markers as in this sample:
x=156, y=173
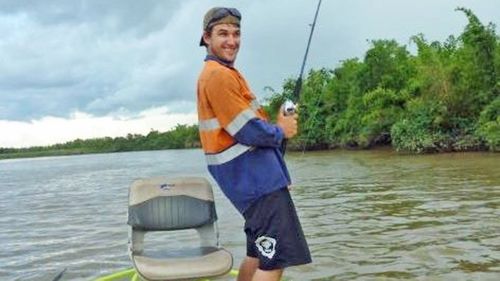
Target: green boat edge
x=131, y=275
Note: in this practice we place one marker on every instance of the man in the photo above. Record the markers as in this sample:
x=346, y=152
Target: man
x=242, y=150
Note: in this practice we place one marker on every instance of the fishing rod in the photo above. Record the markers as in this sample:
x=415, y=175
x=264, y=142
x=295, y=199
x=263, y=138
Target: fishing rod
x=289, y=107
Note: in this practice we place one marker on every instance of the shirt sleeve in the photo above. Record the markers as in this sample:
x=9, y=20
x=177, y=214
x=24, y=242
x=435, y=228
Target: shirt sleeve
x=257, y=132
x=235, y=115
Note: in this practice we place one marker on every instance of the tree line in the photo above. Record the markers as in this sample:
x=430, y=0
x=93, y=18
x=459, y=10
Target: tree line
x=446, y=97
x=182, y=136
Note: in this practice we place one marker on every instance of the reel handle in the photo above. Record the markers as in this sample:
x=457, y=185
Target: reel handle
x=289, y=108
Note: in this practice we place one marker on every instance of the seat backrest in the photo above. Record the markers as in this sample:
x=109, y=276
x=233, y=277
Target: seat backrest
x=176, y=206
x=160, y=203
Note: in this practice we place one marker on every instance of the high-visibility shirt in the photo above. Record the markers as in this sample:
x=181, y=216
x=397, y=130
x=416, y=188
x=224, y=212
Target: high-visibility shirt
x=241, y=147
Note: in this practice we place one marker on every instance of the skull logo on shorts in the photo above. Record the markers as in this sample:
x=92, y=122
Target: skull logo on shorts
x=266, y=246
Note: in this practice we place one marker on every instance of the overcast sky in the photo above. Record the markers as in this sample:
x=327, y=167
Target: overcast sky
x=82, y=69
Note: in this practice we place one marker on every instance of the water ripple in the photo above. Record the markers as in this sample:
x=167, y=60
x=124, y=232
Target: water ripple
x=367, y=215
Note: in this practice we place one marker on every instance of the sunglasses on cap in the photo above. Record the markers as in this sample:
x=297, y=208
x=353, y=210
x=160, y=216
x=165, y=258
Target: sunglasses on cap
x=222, y=13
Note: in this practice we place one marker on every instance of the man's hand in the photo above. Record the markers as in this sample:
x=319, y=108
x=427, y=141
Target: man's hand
x=288, y=123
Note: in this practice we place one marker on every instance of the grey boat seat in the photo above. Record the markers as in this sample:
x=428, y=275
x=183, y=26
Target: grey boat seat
x=169, y=206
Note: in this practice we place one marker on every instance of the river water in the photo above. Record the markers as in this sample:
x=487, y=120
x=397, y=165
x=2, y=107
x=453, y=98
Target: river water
x=367, y=215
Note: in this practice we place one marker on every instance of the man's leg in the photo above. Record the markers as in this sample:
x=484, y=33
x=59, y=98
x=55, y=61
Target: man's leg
x=248, y=268
x=275, y=239
x=249, y=271
x=267, y=275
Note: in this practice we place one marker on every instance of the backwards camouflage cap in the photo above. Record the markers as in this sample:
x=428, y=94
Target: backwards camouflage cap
x=219, y=15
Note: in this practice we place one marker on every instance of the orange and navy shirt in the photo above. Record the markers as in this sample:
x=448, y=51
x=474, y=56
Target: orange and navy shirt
x=241, y=147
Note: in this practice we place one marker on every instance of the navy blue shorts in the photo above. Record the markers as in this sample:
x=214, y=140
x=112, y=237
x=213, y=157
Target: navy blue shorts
x=274, y=234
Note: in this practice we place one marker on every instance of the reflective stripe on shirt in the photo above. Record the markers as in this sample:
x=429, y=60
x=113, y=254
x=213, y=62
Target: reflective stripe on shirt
x=227, y=155
x=254, y=105
x=208, y=125
x=235, y=125
x=240, y=121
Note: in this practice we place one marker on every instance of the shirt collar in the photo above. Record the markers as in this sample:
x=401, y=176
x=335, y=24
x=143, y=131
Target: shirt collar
x=221, y=61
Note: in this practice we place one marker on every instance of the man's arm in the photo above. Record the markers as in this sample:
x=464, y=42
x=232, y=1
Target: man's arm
x=257, y=132
x=239, y=120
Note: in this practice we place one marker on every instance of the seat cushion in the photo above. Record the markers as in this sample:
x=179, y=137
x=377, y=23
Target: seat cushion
x=215, y=263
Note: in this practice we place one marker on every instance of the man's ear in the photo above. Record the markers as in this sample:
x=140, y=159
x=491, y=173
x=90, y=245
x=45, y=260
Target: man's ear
x=206, y=37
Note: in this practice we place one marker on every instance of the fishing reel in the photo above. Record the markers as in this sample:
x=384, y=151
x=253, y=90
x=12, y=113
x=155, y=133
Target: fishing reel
x=289, y=108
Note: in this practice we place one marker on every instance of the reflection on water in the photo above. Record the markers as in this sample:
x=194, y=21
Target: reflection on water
x=367, y=215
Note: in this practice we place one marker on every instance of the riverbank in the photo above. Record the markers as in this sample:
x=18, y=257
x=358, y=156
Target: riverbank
x=33, y=154
x=41, y=152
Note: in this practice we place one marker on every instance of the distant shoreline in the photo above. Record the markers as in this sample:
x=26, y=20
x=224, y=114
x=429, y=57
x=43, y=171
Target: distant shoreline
x=69, y=152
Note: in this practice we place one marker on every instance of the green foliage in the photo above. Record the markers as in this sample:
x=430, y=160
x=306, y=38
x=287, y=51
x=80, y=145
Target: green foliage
x=347, y=127
x=497, y=61
x=277, y=99
x=386, y=65
x=438, y=100
x=432, y=79
x=419, y=131
x=313, y=108
x=342, y=99
x=489, y=125
x=473, y=74
x=382, y=109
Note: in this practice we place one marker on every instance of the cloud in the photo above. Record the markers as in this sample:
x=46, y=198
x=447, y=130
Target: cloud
x=53, y=67
x=112, y=16
x=51, y=130
x=121, y=57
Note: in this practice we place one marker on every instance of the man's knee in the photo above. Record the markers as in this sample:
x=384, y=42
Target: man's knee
x=248, y=268
x=267, y=275
x=251, y=261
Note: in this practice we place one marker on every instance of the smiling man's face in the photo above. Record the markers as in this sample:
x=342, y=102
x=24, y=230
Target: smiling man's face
x=223, y=41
